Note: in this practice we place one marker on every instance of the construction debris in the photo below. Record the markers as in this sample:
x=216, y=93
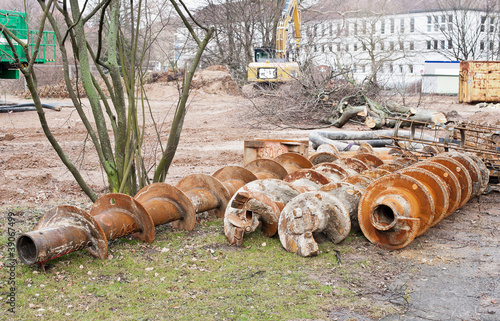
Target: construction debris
x=293, y=196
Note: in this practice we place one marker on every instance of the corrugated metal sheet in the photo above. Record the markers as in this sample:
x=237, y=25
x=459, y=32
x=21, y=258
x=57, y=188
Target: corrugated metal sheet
x=479, y=81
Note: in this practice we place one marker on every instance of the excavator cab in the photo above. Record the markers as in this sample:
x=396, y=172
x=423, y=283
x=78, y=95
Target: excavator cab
x=264, y=54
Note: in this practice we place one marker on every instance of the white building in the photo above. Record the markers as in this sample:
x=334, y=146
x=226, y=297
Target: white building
x=388, y=42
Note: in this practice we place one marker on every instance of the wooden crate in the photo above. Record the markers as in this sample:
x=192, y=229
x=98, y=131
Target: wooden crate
x=270, y=148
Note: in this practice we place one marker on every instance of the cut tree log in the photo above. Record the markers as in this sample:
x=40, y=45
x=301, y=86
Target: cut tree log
x=348, y=113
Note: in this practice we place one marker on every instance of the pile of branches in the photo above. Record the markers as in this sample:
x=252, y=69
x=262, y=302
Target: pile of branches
x=375, y=115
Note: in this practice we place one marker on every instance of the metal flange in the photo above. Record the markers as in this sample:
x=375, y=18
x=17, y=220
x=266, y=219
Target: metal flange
x=206, y=193
x=353, y=163
x=309, y=213
x=266, y=168
x=61, y=230
x=307, y=177
x=485, y=173
x=449, y=178
x=328, y=148
x=293, y=162
x=375, y=173
x=394, y=209
x=234, y=177
x=323, y=157
x=462, y=175
x=349, y=195
x=370, y=160
x=334, y=171
x=120, y=215
x=360, y=181
x=472, y=169
x=437, y=189
x=166, y=203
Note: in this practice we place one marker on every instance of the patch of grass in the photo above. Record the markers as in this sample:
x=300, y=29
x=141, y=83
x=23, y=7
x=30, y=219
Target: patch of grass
x=192, y=276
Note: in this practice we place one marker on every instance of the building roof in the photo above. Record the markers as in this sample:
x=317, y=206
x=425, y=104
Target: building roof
x=333, y=9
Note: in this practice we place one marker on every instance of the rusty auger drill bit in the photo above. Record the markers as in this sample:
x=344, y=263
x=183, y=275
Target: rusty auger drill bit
x=399, y=207
x=62, y=230
x=309, y=213
x=331, y=210
x=258, y=203
x=66, y=228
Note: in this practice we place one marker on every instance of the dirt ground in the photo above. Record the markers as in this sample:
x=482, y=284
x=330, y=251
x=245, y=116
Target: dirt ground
x=450, y=273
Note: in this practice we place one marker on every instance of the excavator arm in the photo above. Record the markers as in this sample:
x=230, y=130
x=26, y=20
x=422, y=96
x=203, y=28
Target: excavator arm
x=289, y=11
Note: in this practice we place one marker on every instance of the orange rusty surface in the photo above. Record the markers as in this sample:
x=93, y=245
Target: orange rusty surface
x=479, y=81
x=271, y=148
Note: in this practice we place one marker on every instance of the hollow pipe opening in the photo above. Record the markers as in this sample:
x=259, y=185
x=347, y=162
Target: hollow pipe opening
x=27, y=249
x=383, y=217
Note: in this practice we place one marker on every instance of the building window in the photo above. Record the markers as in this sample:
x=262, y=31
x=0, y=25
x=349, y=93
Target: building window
x=401, y=68
x=410, y=67
x=355, y=28
x=412, y=24
x=436, y=23
x=429, y=23
x=330, y=29
x=401, y=46
x=323, y=48
x=435, y=44
x=381, y=45
x=492, y=24
x=323, y=30
x=391, y=45
x=338, y=29
x=363, y=68
x=392, y=25
x=315, y=48
x=391, y=68
x=450, y=44
x=315, y=32
x=402, y=25
x=412, y=45
x=429, y=45
x=450, y=22
x=355, y=47
x=338, y=46
x=382, y=26
x=481, y=45
x=347, y=28
x=364, y=27
x=442, y=44
x=330, y=47
x=491, y=46
x=483, y=22
x=354, y=68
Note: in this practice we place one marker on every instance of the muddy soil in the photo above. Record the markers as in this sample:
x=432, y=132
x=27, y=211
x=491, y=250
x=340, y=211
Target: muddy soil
x=450, y=273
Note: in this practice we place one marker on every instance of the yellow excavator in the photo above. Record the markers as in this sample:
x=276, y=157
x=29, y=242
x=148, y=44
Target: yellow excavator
x=276, y=65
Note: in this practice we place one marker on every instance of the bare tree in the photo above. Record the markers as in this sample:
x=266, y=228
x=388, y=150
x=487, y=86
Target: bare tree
x=469, y=27
x=118, y=55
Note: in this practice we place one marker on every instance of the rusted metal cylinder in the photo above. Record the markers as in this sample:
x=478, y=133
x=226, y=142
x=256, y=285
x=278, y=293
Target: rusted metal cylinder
x=206, y=193
x=165, y=204
x=120, y=215
x=399, y=207
x=62, y=230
